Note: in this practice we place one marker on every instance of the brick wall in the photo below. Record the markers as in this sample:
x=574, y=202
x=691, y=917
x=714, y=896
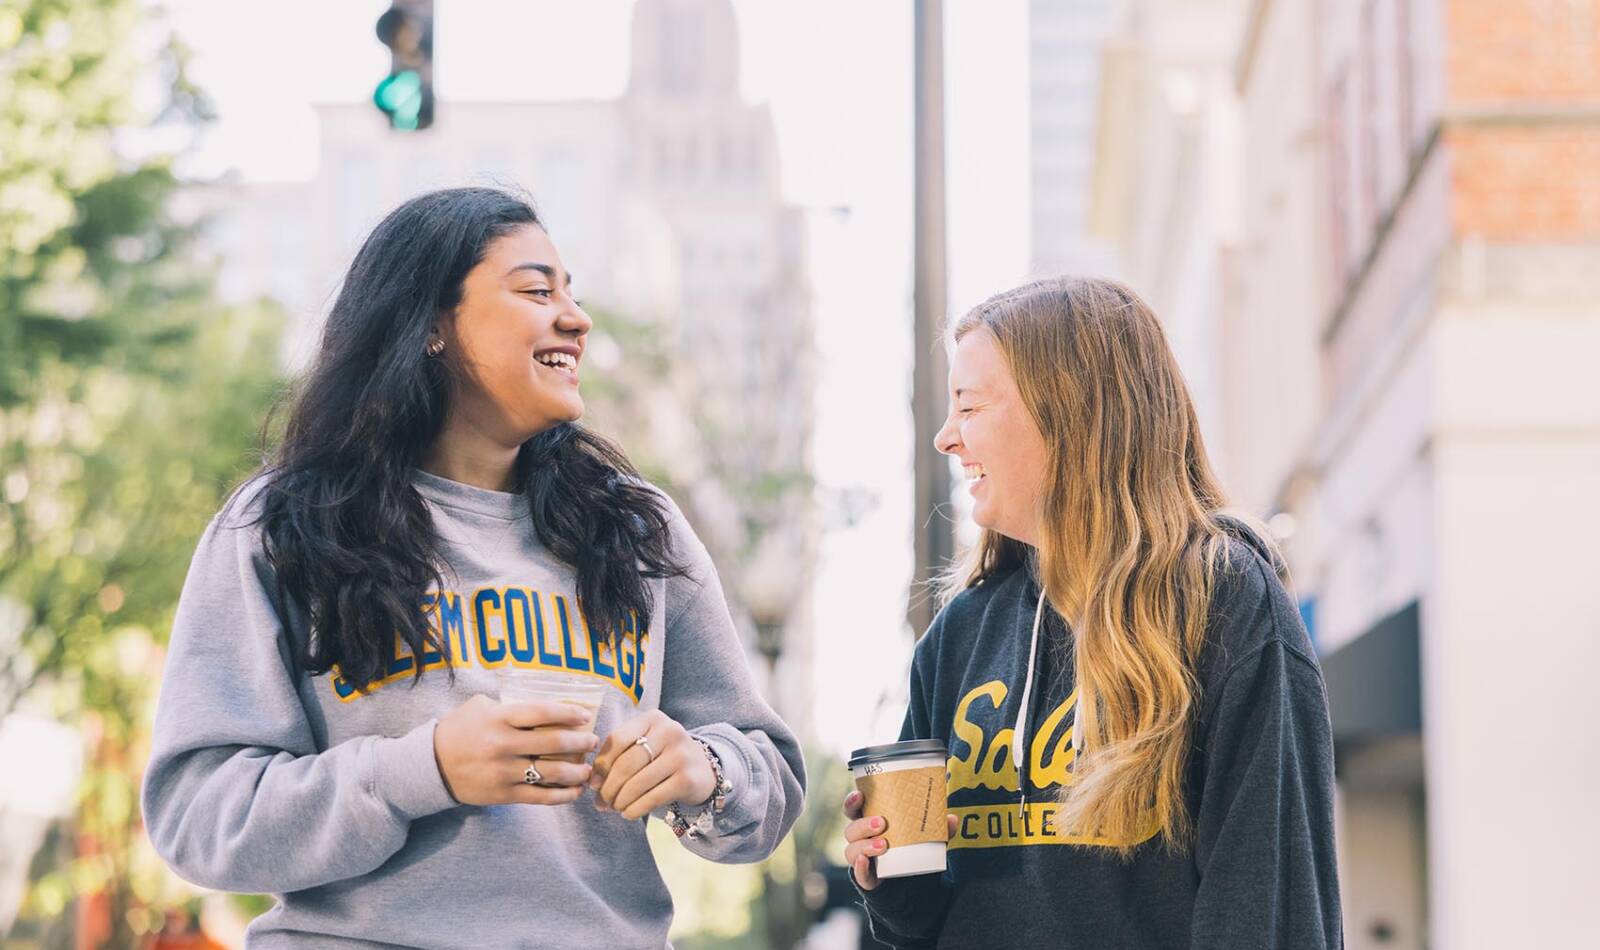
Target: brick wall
x=1527, y=182
x=1518, y=162
x=1523, y=79
x=1502, y=51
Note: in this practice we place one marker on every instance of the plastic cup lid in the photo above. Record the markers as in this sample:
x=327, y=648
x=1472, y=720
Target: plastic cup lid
x=897, y=750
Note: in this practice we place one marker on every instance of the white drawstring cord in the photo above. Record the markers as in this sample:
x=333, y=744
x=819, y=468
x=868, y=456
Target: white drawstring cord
x=1019, y=733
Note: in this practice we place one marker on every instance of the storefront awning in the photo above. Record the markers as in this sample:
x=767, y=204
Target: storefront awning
x=1374, y=681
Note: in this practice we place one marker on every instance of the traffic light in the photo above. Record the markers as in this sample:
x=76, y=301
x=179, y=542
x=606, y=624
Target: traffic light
x=406, y=94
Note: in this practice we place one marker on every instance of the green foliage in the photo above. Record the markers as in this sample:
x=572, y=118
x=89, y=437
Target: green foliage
x=128, y=397
x=792, y=886
x=129, y=404
x=617, y=398
x=767, y=906
x=90, y=263
x=110, y=476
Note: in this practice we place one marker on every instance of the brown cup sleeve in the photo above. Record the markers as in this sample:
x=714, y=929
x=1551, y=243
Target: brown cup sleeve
x=911, y=800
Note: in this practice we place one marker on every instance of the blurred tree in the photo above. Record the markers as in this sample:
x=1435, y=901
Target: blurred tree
x=793, y=886
x=90, y=263
x=129, y=403
x=638, y=399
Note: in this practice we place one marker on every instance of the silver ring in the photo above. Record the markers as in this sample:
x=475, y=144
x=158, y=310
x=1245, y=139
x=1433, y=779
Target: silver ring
x=531, y=775
x=645, y=742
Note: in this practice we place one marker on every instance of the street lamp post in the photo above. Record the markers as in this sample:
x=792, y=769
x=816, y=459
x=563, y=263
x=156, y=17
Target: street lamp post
x=934, y=543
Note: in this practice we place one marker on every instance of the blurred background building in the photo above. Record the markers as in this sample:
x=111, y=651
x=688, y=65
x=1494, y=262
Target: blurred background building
x=1166, y=176
x=1064, y=61
x=1373, y=230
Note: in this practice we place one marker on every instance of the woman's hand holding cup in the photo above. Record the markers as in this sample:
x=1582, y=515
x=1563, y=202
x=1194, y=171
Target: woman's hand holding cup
x=668, y=766
x=483, y=749
x=864, y=840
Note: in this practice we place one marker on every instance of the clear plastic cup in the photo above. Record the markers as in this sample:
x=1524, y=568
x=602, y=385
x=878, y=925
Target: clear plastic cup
x=521, y=686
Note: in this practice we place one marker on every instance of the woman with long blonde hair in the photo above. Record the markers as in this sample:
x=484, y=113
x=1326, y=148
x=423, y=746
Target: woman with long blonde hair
x=1139, y=747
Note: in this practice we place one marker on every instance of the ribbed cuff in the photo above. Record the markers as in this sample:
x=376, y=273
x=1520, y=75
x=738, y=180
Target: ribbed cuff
x=903, y=907
x=405, y=775
x=746, y=804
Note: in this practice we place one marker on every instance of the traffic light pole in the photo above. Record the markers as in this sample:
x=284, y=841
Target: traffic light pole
x=405, y=96
x=934, y=542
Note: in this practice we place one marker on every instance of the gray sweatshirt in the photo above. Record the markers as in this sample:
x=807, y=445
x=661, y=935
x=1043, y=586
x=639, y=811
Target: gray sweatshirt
x=263, y=779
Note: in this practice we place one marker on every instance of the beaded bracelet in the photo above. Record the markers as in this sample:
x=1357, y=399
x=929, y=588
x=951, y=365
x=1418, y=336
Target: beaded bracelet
x=700, y=825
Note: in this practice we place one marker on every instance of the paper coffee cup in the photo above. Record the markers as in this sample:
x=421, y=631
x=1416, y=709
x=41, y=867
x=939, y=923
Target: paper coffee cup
x=905, y=783
x=522, y=686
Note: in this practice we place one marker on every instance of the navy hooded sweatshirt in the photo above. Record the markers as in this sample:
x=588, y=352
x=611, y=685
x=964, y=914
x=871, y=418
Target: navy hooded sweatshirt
x=1260, y=870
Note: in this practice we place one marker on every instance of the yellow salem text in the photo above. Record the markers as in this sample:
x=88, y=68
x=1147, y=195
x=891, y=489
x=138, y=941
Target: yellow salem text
x=1004, y=825
x=987, y=761
x=985, y=764
x=518, y=627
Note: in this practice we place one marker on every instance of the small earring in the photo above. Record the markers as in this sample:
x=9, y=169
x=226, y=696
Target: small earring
x=435, y=347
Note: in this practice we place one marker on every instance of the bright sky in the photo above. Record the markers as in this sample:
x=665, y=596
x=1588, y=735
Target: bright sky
x=837, y=74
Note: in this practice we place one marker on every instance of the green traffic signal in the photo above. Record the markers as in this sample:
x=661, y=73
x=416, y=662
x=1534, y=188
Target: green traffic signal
x=400, y=96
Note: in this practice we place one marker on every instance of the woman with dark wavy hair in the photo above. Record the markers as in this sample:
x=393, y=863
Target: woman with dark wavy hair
x=433, y=518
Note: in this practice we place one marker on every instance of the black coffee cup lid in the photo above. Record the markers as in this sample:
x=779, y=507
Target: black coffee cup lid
x=896, y=750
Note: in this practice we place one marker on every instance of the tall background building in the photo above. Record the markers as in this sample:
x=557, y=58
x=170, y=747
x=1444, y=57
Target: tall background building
x=1064, y=47
x=1165, y=184
x=1385, y=217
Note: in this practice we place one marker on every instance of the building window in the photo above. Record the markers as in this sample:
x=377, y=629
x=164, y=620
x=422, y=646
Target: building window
x=562, y=189
x=753, y=158
x=1371, y=104
x=691, y=159
x=1338, y=160
x=421, y=174
x=1405, y=63
x=661, y=149
x=681, y=49
x=495, y=165
x=356, y=195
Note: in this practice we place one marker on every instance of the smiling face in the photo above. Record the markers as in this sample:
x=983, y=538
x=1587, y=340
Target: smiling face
x=991, y=431
x=518, y=338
